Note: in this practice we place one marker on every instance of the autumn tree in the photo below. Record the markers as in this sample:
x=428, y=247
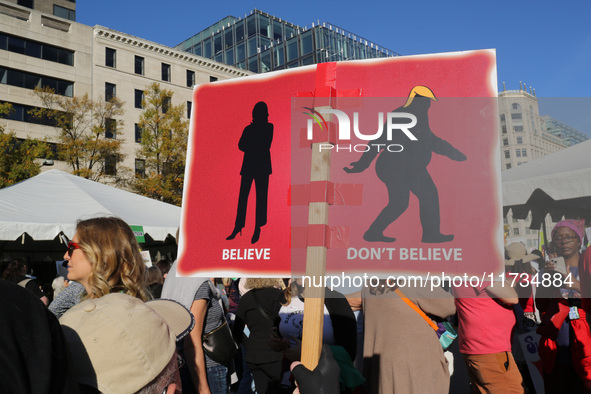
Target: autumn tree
x=18, y=156
x=88, y=139
x=163, y=146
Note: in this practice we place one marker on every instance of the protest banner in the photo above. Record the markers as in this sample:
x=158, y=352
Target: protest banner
x=299, y=139
x=529, y=346
x=421, y=198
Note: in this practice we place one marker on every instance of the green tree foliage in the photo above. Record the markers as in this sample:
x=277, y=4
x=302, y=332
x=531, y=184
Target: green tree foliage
x=83, y=126
x=163, y=146
x=17, y=157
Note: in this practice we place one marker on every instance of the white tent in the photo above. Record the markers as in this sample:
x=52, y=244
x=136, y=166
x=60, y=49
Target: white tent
x=51, y=203
x=558, y=184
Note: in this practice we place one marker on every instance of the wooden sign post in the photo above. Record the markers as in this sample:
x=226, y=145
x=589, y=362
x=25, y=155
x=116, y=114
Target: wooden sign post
x=325, y=97
x=315, y=267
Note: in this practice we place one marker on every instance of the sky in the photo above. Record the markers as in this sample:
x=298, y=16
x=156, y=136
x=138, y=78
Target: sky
x=545, y=44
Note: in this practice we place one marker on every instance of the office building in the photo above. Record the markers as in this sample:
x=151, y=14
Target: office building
x=261, y=42
x=569, y=135
x=39, y=49
x=523, y=138
x=62, y=8
x=523, y=132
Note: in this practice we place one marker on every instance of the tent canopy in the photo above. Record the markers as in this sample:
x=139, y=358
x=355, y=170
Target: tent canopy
x=51, y=203
x=558, y=184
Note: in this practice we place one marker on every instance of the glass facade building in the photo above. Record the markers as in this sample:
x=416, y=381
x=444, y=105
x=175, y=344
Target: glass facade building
x=569, y=135
x=260, y=42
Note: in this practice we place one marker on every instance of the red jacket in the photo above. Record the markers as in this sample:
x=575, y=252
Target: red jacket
x=556, y=313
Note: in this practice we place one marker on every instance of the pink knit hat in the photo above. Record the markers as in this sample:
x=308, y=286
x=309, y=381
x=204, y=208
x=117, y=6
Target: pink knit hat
x=577, y=225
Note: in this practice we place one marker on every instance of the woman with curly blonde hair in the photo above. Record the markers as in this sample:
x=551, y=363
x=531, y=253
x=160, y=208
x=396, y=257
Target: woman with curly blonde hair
x=104, y=257
x=261, y=283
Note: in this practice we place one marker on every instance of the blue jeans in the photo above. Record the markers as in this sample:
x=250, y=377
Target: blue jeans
x=217, y=379
x=246, y=384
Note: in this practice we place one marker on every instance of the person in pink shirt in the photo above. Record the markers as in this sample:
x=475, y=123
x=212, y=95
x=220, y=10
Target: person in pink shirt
x=486, y=320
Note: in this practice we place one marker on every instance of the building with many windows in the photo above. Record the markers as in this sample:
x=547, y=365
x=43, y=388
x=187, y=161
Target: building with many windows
x=518, y=230
x=569, y=135
x=523, y=133
x=523, y=138
x=63, y=8
x=261, y=42
x=526, y=136
x=39, y=49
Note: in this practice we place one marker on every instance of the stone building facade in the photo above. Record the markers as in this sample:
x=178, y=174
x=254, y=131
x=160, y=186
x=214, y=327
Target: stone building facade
x=39, y=49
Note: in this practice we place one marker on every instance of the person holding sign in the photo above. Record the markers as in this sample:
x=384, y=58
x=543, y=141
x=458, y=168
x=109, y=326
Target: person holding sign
x=256, y=167
x=324, y=379
x=339, y=327
x=565, y=345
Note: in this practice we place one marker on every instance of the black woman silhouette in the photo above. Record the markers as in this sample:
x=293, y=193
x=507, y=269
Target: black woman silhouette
x=256, y=167
x=406, y=171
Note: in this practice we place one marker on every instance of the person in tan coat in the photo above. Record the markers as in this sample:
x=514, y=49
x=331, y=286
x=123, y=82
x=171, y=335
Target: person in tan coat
x=402, y=353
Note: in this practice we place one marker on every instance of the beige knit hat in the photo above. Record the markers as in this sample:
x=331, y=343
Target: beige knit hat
x=119, y=343
x=517, y=251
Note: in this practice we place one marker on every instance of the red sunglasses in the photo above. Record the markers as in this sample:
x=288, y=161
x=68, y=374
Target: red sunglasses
x=71, y=247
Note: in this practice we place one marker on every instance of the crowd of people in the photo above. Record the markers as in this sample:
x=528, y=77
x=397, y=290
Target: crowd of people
x=126, y=328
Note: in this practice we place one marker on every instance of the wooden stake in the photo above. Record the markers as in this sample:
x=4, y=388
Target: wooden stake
x=315, y=267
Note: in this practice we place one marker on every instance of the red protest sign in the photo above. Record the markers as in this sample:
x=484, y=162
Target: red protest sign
x=458, y=231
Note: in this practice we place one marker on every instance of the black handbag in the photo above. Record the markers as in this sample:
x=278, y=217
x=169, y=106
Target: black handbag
x=219, y=345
